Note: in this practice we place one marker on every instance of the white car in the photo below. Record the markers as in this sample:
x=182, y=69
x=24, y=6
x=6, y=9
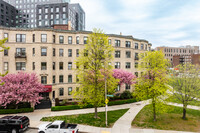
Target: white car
x=58, y=127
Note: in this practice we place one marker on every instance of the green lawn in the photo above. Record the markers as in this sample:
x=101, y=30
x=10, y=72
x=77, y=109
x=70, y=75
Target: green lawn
x=88, y=119
x=171, y=120
x=176, y=100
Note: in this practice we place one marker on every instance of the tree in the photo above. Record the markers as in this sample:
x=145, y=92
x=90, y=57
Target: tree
x=152, y=84
x=92, y=70
x=185, y=81
x=124, y=77
x=1, y=50
x=20, y=87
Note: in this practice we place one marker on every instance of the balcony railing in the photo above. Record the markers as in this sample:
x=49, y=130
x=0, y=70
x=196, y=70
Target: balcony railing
x=20, y=55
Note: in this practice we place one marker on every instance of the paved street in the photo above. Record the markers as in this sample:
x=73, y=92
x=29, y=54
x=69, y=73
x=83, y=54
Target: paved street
x=35, y=131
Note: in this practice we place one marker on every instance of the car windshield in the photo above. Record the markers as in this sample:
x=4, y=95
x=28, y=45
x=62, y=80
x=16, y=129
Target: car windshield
x=49, y=124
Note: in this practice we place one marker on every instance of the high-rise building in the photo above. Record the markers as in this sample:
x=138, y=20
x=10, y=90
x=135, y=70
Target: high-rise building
x=29, y=7
x=49, y=15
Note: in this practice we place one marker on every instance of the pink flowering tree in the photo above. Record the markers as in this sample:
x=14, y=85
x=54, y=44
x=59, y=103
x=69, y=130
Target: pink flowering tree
x=20, y=87
x=124, y=77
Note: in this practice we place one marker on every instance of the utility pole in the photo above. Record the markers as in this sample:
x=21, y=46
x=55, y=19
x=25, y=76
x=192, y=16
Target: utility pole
x=106, y=101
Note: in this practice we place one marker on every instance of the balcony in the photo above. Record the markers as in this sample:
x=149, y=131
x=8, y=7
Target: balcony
x=20, y=55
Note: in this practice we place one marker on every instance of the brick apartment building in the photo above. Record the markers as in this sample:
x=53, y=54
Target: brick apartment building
x=176, y=52
x=51, y=53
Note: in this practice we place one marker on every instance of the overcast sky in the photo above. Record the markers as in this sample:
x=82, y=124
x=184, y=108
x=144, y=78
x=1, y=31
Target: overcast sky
x=161, y=22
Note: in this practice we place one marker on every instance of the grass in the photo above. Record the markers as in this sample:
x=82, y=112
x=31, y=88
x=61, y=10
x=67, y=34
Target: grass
x=170, y=120
x=176, y=100
x=88, y=119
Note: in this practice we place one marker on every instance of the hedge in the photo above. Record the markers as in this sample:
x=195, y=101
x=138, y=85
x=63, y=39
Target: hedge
x=15, y=111
x=74, y=107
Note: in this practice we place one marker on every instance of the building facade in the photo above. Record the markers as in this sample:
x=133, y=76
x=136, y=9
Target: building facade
x=60, y=14
x=183, y=59
x=29, y=7
x=51, y=54
x=8, y=14
x=185, y=52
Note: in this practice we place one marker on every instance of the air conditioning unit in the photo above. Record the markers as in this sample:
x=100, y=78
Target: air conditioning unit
x=23, y=68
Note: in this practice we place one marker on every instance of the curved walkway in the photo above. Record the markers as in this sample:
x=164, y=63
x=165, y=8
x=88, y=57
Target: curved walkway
x=122, y=125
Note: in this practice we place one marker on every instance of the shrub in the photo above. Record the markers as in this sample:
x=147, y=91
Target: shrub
x=14, y=111
x=74, y=107
x=126, y=95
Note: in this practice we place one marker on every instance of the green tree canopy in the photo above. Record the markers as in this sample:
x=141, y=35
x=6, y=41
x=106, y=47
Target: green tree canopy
x=152, y=84
x=186, y=84
x=93, y=68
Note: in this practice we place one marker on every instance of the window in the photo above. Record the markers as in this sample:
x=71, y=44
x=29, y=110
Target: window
x=43, y=51
x=117, y=43
x=33, y=66
x=43, y=66
x=69, y=39
x=54, y=65
x=61, y=39
x=46, y=10
x=77, y=40
x=33, y=51
x=6, y=36
x=33, y=37
x=136, y=64
x=61, y=52
x=57, y=16
x=20, y=52
x=77, y=52
x=128, y=65
x=69, y=78
x=77, y=79
x=136, y=56
x=128, y=54
x=117, y=65
x=5, y=52
x=40, y=10
x=61, y=79
x=5, y=66
x=128, y=44
x=145, y=46
x=64, y=9
x=54, y=39
x=43, y=37
x=69, y=65
x=128, y=87
x=69, y=52
x=136, y=74
x=117, y=54
x=118, y=88
x=57, y=9
x=44, y=79
x=51, y=9
x=109, y=42
x=61, y=91
x=142, y=46
x=70, y=91
x=85, y=39
x=61, y=65
x=54, y=79
x=20, y=38
x=54, y=52
x=136, y=45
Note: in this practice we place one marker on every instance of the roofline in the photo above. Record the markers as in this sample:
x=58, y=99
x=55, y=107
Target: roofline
x=72, y=32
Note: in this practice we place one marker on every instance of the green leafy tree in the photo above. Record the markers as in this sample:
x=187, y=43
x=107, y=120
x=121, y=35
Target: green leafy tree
x=152, y=84
x=92, y=70
x=2, y=48
x=185, y=81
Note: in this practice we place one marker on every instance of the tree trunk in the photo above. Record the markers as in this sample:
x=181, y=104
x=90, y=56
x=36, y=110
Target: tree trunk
x=95, y=110
x=154, y=111
x=16, y=106
x=184, y=111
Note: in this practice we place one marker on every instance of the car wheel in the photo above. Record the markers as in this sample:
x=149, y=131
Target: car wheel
x=41, y=132
x=14, y=131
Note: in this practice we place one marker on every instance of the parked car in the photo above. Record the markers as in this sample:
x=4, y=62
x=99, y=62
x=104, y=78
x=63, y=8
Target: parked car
x=58, y=127
x=13, y=124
